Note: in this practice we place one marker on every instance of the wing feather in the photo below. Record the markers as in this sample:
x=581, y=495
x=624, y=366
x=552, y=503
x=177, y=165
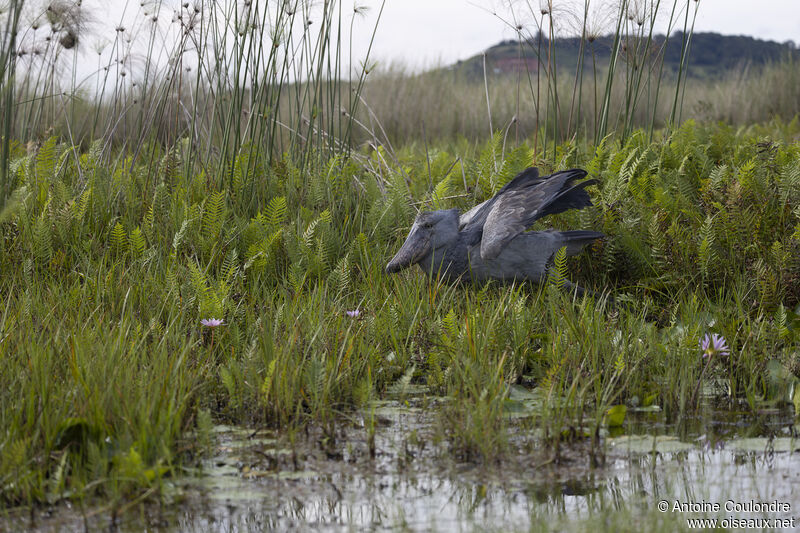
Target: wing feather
x=476, y=217
x=515, y=209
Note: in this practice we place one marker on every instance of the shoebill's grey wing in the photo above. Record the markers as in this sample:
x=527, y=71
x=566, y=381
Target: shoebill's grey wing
x=517, y=209
x=476, y=217
x=467, y=218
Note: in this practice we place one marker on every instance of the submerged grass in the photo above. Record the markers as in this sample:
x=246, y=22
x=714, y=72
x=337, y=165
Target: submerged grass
x=110, y=379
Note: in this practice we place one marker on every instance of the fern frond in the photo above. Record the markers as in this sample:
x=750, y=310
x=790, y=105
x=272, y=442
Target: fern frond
x=706, y=251
x=557, y=273
x=781, y=322
x=119, y=238
x=339, y=278
x=137, y=243
x=230, y=266
x=198, y=280
x=619, y=363
x=658, y=244
x=297, y=277
x=46, y=160
x=789, y=183
x=147, y=223
x=177, y=239
x=213, y=215
x=440, y=192
x=229, y=382
x=42, y=239
x=718, y=178
x=450, y=325
x=276, y=211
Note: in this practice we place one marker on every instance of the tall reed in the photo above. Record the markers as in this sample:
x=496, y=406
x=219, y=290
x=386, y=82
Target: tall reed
x=636, y=62
x=206, y=85
x=8, y=54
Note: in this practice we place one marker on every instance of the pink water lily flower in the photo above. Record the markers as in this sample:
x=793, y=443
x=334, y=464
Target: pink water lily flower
x=211, y=322
x=715, y=344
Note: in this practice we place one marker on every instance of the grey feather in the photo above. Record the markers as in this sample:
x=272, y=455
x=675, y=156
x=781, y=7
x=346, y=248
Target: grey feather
x=516, y=209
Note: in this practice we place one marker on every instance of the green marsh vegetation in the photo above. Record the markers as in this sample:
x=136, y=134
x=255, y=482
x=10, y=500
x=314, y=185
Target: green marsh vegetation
x=245, y=195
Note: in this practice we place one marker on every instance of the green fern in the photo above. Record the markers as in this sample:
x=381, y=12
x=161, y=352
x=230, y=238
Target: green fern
x=46, y=160
x=706, y=251
x=230, y=267
x=276, y=211
x=749, y=180
x=14, y=205
x=339, y=278
x=557, y=274
x=177, y=239
x=780, y=257
x=137, y=243
x=42, y=239
x=239, y=174
x=718, y=178
x=229, y=382
x=169, y=166
x=209, y=303
x=789, y=184
x=198, y=280
x=213, y=217
x=619, y=363
x=515, y=162
x=297, y=278
x=658, y=242
x=767, y=284
x=450, y=324
x=782, y=322
x=148, y=223
x=119, y=238
x=325, y=216
x=487, y=166
x=440, y=192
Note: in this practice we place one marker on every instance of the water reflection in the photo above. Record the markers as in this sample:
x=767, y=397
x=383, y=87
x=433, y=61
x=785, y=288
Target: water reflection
x=252, y=485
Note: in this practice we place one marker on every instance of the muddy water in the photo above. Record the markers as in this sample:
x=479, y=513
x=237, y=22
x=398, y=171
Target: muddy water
x=714, y=466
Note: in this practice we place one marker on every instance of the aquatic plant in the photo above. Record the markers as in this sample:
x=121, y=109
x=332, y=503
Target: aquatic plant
x=714, y=345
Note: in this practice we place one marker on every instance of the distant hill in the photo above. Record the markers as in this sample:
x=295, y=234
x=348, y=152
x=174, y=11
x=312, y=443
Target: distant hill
x=711, y=54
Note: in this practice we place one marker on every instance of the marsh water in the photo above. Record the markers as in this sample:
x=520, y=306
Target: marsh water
x=723, y=464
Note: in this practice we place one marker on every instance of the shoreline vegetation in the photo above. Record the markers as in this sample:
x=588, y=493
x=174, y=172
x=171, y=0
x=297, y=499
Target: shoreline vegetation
x=207, y=246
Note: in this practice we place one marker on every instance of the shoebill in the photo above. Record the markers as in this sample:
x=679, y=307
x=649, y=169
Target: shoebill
x=490, y=240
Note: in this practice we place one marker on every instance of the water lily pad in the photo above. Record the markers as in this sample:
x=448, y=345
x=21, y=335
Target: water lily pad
x=516, y=392
x=615, y=416
x=760, y=444
x=650, y=401
x=646, y=409
x=395, y=410
x=649, y=443
x=298, y=475
x=522, y=402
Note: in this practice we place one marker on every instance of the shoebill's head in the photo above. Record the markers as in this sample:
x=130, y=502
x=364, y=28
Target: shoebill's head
x=431, y=230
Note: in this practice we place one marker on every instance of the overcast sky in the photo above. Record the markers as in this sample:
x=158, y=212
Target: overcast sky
x=426, y=33
x=423, y=32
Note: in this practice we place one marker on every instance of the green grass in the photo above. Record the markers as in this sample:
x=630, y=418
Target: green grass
x=110, y=382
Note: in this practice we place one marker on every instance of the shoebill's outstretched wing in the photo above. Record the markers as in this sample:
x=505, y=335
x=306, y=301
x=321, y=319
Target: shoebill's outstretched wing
x=524, y=200
x=476, y=217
